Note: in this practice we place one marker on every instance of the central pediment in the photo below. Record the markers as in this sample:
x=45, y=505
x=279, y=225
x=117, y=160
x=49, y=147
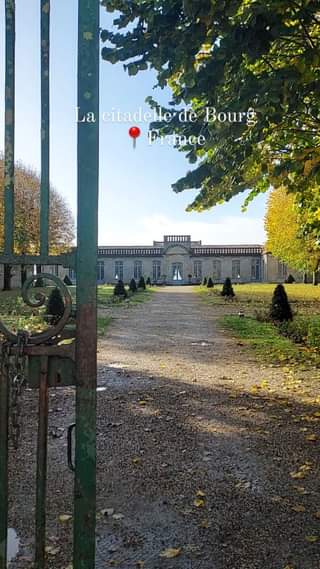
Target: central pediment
x=176, y=250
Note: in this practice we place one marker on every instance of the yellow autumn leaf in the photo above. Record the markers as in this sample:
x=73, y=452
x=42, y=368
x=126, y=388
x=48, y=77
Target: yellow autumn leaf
x=65, y=518
x=136, y=460
x=312, y=538
x=297, y=475
x=199, y=503
x=200, y=494
x=204, y=524
x=52, y=550
x=171, y=552
x=311, y=438
x=298, y=508
x=142, y=402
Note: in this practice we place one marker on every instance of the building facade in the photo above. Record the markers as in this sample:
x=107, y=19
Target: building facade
x=178, y=260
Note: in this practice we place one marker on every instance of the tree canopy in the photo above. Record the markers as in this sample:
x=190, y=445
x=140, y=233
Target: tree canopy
x=283, y=222
x=27, y=215
x=233, y=55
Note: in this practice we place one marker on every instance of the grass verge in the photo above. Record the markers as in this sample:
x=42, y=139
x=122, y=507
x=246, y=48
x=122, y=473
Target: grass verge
x=266, y=340
x=102, y=324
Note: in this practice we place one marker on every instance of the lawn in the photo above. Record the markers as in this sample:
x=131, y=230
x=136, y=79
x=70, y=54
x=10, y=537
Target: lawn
x=17, y=315
x=299, y=340
x=305, y=298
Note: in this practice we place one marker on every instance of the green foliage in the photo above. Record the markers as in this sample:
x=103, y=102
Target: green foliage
x=102, y=324
x=142, y=283
x=119, y=290
x=264, y=337
x=55, y=305
x=133, y=286
x=210, y=283
x=232, y=56
x=204, y=282
x=303, y=330
x=227, y=289
x=280, y=309
x=67, y=281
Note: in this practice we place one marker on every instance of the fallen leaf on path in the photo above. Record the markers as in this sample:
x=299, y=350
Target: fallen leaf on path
x=199, y=503
x=317, y=515
x=300, y=490
x=107, y=512
x=136, y=460
x=312, y=538
x=298, y=508
x=140, y=564
x=311, y=438
x=52, y=550
x=171, y=552
x=65, y=518
x=200, y=494
x=118, y=516
x=301, y=473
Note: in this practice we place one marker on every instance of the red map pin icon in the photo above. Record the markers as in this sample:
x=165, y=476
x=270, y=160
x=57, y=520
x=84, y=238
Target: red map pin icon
x=134, y=132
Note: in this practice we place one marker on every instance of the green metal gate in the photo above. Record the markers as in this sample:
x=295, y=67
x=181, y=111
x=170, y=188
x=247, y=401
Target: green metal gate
x=46, y=359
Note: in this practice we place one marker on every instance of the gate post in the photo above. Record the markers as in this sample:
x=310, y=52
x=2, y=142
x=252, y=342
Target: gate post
x=86, y=268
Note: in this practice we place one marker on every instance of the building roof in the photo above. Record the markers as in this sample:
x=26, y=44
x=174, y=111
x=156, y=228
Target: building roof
x=195, y=248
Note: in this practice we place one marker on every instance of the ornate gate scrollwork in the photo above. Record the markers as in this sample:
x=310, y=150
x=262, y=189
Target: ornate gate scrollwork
x=37, y=302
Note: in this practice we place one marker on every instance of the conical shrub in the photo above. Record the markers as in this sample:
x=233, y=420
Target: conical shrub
x=119, y=290
x=227, y=289
x=210, y=283
x=55, y=305
x=280, y=309
x=133, y=286
x=142, y=283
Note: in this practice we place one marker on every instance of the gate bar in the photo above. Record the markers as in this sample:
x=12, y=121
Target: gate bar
x=4, y=436
x=45, y=127
x=9, y=129
x=42, y=452
x=87, y=247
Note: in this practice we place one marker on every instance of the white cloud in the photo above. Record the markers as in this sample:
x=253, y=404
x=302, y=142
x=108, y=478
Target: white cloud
x=227, y=230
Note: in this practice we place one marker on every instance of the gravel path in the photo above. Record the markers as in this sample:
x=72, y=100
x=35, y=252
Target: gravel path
x=203, y=453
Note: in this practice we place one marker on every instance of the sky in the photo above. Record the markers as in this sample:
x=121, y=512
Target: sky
x=136, y=202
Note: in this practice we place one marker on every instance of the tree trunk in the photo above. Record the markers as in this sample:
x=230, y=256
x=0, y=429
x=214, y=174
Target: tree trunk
x=305, y=277
x=23, y=274
x=315, y=275
x=7, y=275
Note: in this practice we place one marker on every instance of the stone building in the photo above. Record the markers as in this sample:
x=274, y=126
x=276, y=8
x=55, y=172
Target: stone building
x=179, y=260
